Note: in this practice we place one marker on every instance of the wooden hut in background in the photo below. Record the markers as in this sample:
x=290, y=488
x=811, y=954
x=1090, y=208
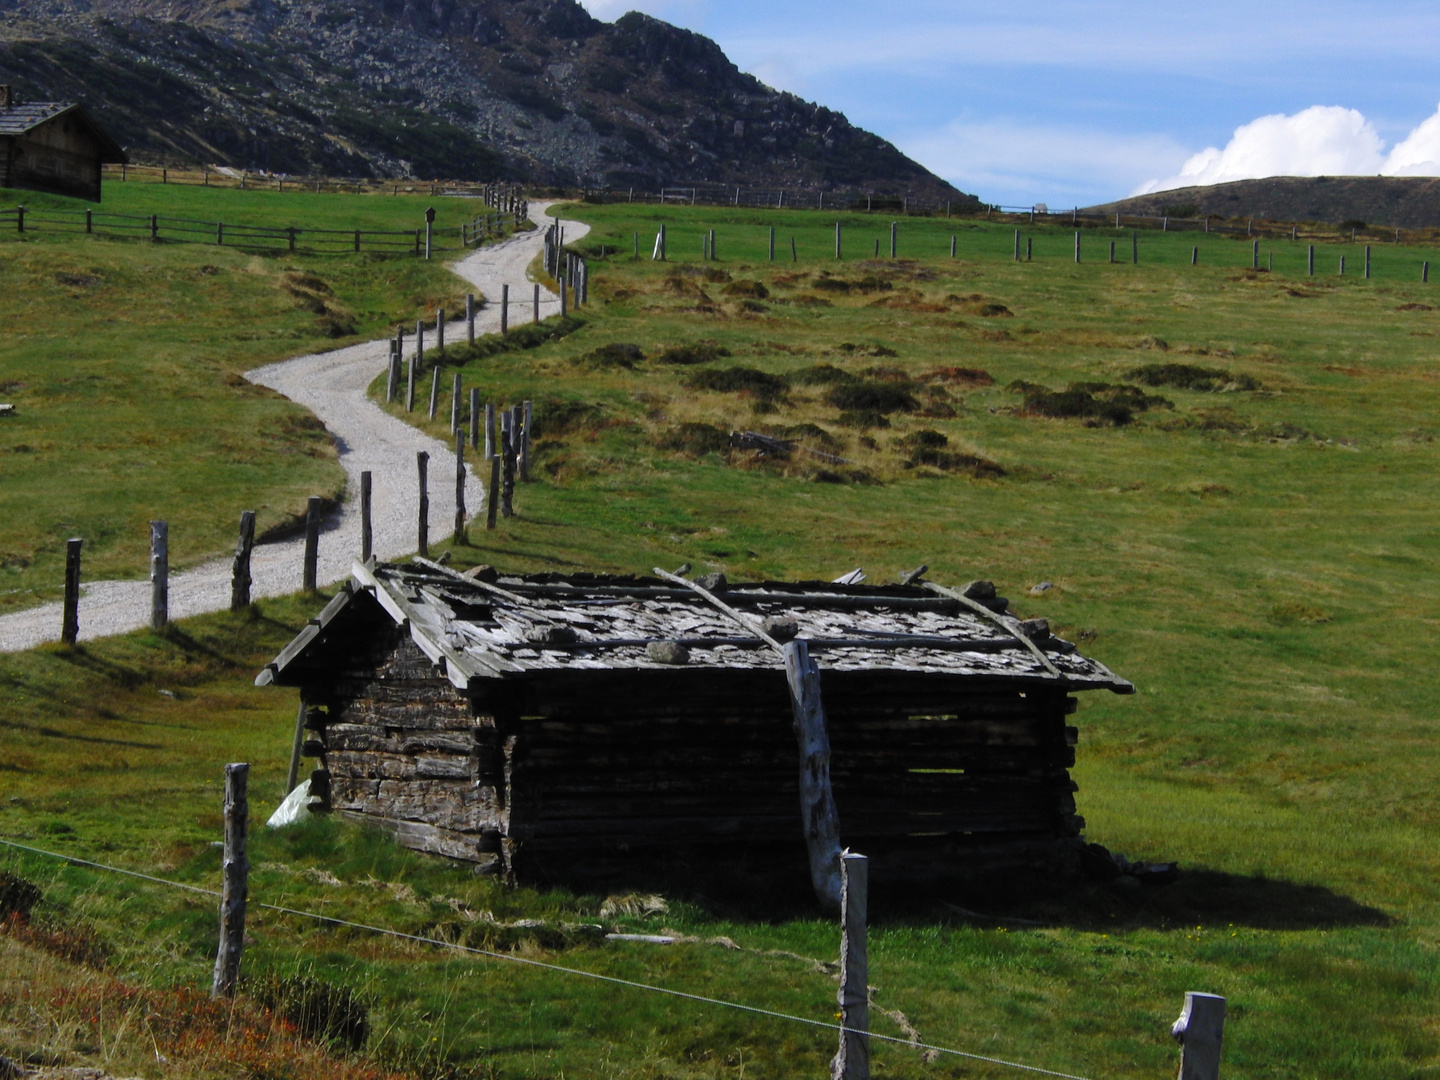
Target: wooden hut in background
x=569, y=727
x=53, y=147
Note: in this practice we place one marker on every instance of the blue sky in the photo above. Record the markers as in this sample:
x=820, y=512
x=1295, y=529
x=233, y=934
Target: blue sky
x=1085, y=101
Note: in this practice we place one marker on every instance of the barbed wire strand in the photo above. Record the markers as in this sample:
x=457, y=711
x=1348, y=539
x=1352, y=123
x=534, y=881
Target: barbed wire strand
x=560, y=968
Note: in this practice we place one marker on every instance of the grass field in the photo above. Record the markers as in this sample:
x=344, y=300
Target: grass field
x=123, y=359
x=1256, y=552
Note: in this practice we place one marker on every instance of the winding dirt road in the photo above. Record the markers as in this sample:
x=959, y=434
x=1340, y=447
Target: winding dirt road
x=331, y=385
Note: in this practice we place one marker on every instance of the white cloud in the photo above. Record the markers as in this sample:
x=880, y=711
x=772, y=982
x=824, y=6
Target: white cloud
x=1323, y=140
x=1419, y=153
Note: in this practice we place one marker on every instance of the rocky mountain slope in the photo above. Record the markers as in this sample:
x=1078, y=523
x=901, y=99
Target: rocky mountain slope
x=529, y=89
x=1407, y=202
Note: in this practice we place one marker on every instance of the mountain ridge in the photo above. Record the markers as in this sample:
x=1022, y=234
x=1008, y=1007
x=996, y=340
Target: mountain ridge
x=1407, y=202
x=536, y=90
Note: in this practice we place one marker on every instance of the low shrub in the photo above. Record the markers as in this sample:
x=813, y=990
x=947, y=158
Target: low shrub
x=756, y=290
x=1094, y=402
x=17, y=896
x=821, y=375
x=965, y=376
x=695, y=439
x=615, y=355
x=926, y=447
x=1191, y=377
x=810, y=434
x=739, y=380
x=872, y=396
x=698, y=352
x=864, y=419
x=321, y=1011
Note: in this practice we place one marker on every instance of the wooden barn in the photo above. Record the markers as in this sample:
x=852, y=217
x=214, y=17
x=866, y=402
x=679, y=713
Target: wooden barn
x=53, y=147
x=568, y=727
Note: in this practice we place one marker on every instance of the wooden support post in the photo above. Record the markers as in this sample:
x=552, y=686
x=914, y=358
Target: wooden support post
x=526, y=418
x=536, y=303
x=492, y=493
x=435, y=391
x=952, y=245
x=1367, y=262
x=470, y=317
x=1200, y=1032
x=852, y=1062
x=159, y=574
x=474, y=418
x=819, y=818
x=460, y=487
x=894, y=238
x=422, y=466
x=490, y=441
x=240, y=570
x=312, y=542
x=1077, y=245
x=296, y=745
x=837, y=240
x=1255, y=255
x=1311, y=261
x=455, y=398
x=504, y=314
x=1135, y=248
x=1017, y=245
x=234, y=883
x=70, y=620
x=366, y=532
x=772, y=243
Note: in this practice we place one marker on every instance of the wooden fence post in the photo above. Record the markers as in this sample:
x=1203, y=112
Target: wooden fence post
x=952, y=245
x=837, y=240
x=819, y=818
x=159, y=574
x=410, y=384
x=392, y=375
x=852, y=1062
x=794, y=258
x=470, y=317
x=492, y=493
x=366, y=539
x=894, y=237
x=772, y=243
x=422, y=467
x=1367, y=262
x=312, y=542
x=420, y=341
x=70, y=621
x=489, y=430
x=1077, y=245
x=456, y=397
x=1017, y=245
x=1135, y=248
x=474, y=418
x=537, y=303
x=460, y=537
x=504, y=313
x=1255, y=255
x=235, y=885
x=1425, y=272
x=240, y=571
x=1311, y=261
x=560, y=282
x=1200, y=1031
x=526, y=418
x=507, y=471
x=440, y=332
x=435, y=391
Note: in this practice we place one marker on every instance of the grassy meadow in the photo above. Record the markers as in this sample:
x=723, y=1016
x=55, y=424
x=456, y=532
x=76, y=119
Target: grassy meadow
x=123, y=359
x=1229, y=480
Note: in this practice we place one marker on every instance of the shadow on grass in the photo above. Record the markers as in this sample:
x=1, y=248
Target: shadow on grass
x=768, y=887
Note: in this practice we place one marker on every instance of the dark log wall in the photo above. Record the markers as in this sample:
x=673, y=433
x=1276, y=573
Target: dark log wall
x=403, y=749
x=59, y=156
x=949, y=784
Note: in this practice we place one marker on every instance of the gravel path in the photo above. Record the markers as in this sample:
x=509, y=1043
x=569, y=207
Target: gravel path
x=331, y=385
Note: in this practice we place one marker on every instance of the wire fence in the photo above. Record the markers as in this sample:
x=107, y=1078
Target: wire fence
x=220, y=176
x=440, y=943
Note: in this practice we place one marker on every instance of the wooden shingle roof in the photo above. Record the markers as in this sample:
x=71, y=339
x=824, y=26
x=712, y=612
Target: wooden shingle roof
x=20, y=119
x=520, y=627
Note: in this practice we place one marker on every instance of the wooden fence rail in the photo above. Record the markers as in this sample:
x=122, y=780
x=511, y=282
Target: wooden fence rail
x=219, y=176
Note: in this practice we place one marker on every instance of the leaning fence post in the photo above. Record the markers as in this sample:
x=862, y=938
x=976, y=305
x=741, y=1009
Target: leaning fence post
x=366, y=540
x=234, y=886
x=819, y=817
x=240, y=572
x=312, y=541
x=422, y=466
x=492, y=493
x=852, y=1062
x=460, y=487
x=1200, y=1031
x=159, y=574
x=70, y=623
x=435, y=391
